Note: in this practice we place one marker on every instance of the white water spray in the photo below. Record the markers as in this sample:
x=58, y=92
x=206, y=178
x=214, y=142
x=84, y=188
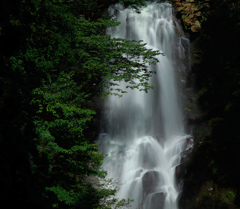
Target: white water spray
x=145, y=134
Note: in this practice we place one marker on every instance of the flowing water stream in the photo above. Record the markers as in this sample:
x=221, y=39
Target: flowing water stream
x=145, y=134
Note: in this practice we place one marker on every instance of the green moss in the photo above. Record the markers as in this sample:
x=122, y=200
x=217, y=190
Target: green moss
x=214, y=192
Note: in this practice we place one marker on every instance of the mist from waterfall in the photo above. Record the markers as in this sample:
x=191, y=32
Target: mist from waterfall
x=144, y=135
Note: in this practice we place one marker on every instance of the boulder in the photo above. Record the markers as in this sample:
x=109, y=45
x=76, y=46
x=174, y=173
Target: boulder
x=150, y=181
x=155, y=201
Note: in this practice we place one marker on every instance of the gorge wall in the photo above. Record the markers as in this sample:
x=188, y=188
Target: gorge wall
x=210, y=173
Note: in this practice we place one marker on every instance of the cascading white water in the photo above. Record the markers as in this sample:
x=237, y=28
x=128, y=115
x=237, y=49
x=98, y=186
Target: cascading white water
x=145, y=134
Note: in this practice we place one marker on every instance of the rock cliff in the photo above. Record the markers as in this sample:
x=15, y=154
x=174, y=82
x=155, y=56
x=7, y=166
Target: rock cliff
x=192, y=12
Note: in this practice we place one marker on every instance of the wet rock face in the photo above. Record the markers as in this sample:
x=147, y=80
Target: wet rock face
x=192, y=13
x=185, y=158
x=150, y=194
x=156, y=200
x=149, y=182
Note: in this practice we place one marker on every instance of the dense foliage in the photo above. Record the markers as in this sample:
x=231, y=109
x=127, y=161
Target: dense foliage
x=55, y=58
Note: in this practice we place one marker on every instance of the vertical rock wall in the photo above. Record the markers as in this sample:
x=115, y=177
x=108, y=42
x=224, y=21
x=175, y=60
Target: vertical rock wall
x=206, y=185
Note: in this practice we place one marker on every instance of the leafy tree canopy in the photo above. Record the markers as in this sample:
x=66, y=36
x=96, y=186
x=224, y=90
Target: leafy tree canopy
x=56, y=58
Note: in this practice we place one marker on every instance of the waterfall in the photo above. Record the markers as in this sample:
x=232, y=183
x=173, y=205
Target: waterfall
x=144, y=135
